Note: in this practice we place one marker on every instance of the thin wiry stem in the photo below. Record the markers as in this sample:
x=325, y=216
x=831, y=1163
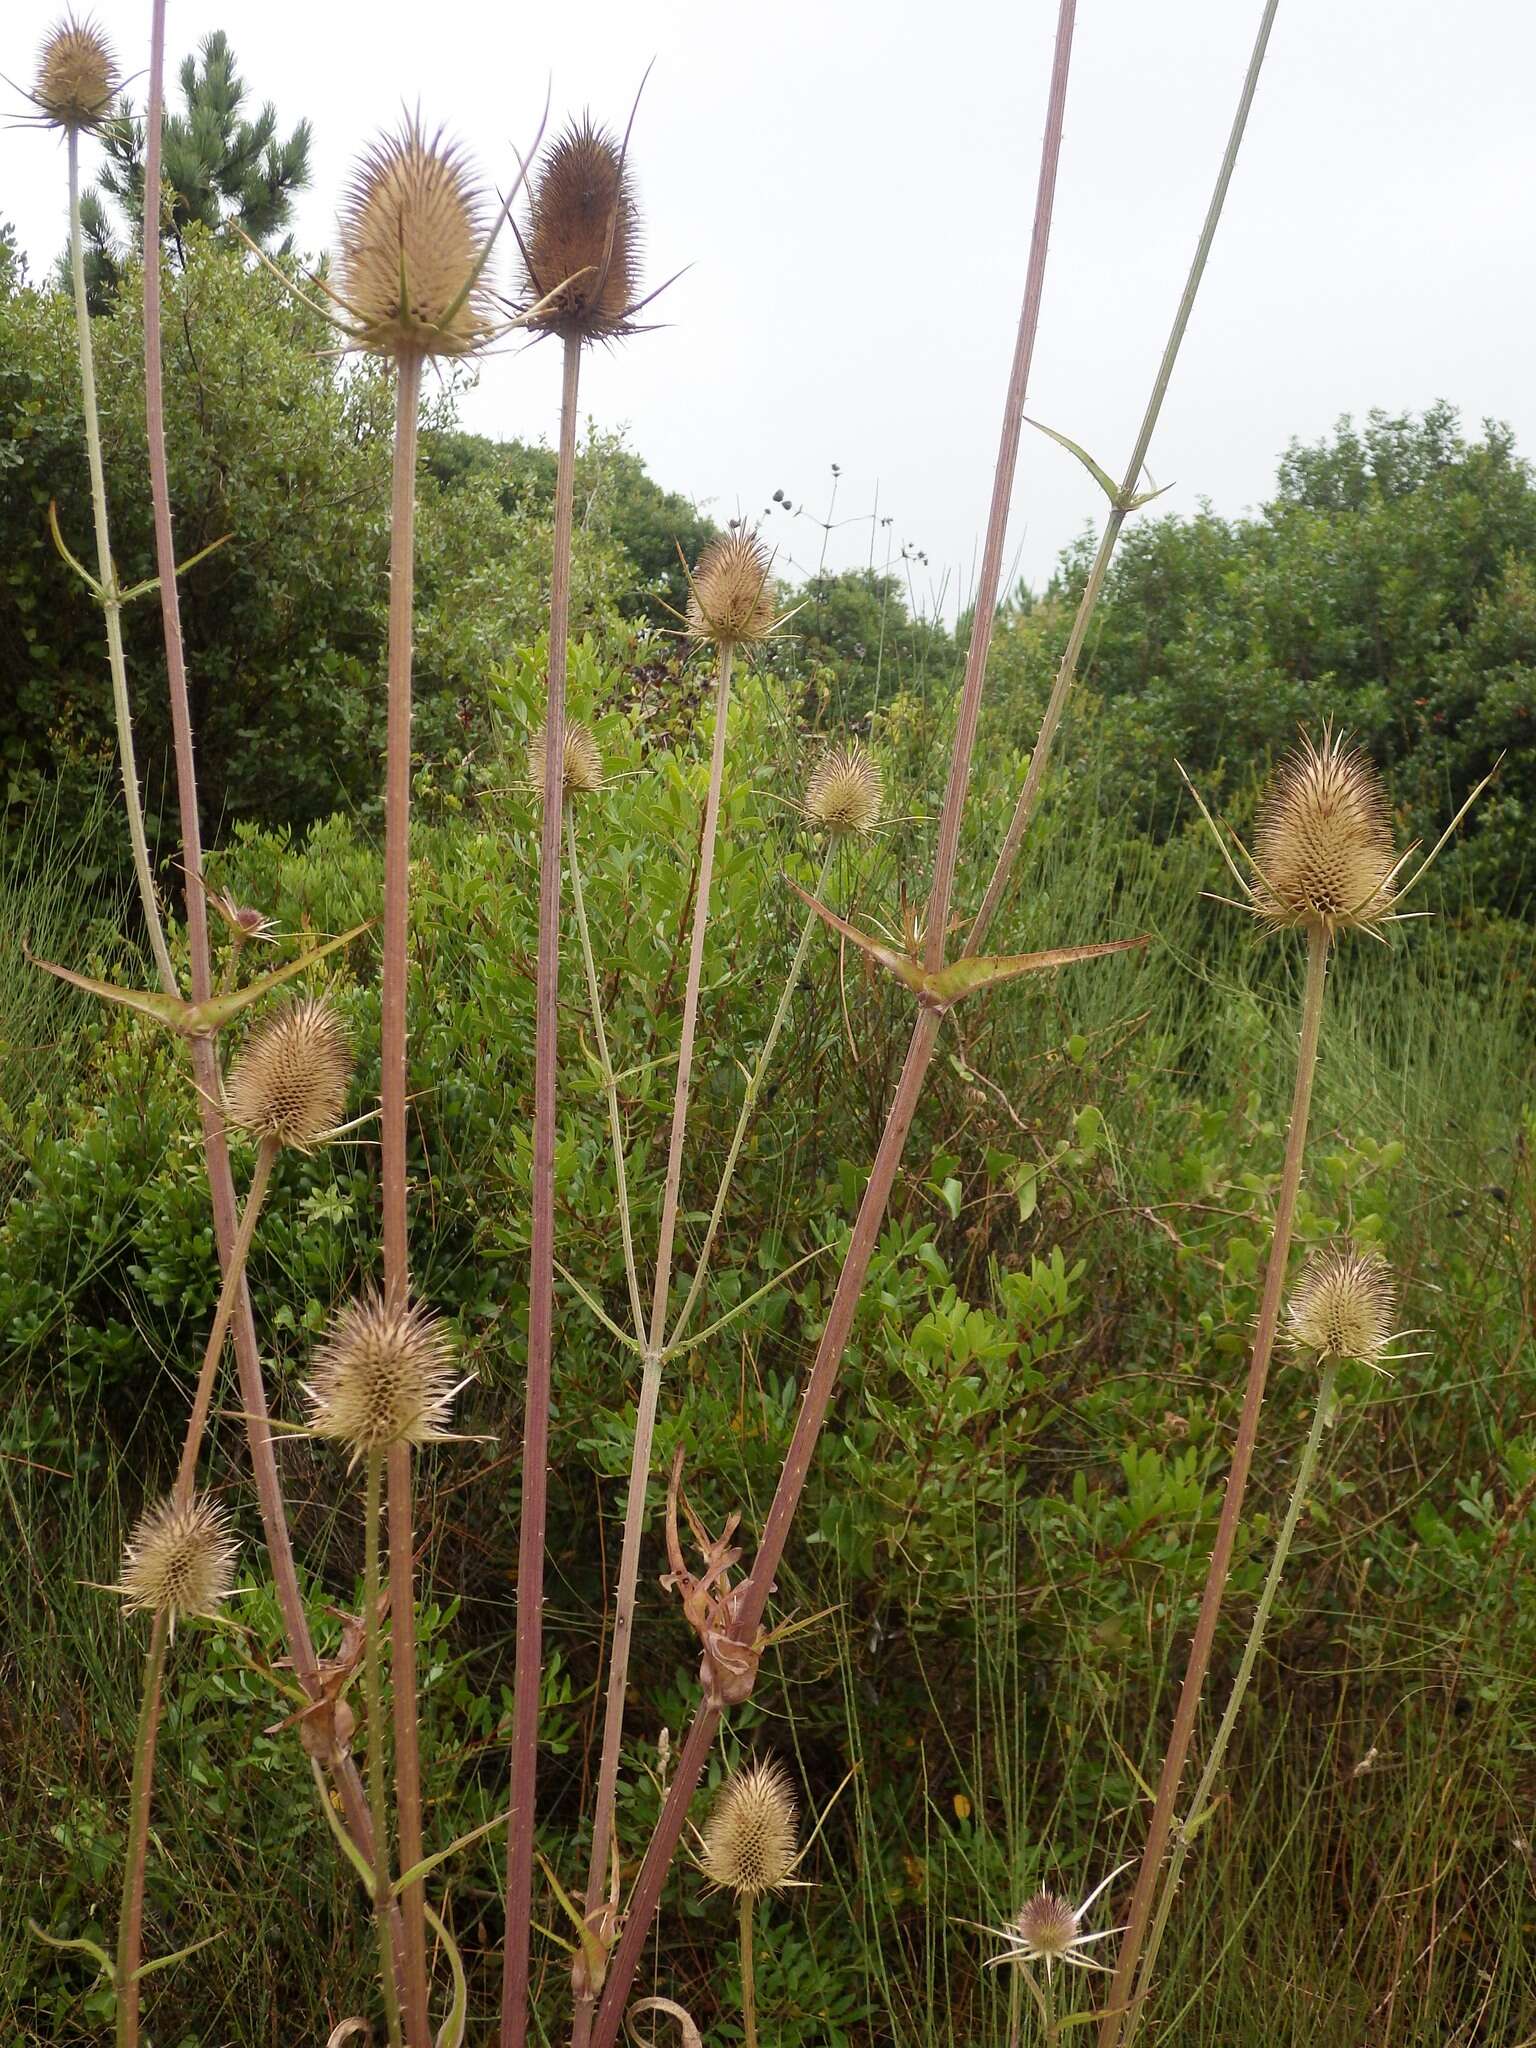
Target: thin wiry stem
x=528, y=1672
x=373, y=1688
x=1034, y=778
x=866, y=1230
x=130, y=1925
x=392, y=1097
x=1232, y=1502
x=205, y=1073
x=1205, y=1790
x=234, y=1274
x=748, y=1974
x=111, y=603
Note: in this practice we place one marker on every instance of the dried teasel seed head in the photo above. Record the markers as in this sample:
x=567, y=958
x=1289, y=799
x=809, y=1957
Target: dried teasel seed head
x=582, y=762
x=1343, y=1306
x=1323, y=846
x=843, y=794
x=383, y=1376
x=290, y=1082
x=729, y=598
x=413, y=242
x=749, y=1838
x=1047, y=1926
x=581, y=243
x=77, y=75
x=179, y=1560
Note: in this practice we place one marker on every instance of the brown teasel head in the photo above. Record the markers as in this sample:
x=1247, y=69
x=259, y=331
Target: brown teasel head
x=77, y=75
x=383, y=1376
x=413, y=241
x=843, y=795
x=582, y=760
x=581, y=241
x=730, y=600
x=179, y=1560
x=749, y=1839
x=290, y=1082
x=1342, y=1306
x=1323, y=850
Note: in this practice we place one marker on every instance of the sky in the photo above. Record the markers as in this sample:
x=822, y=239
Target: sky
x=850, y=188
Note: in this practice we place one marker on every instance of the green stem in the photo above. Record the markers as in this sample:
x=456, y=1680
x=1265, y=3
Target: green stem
x=1045, y=2004
x=130, y=1925
x=106, y=576
x=748, y=1973
x=373, y=1686
x=1204, y=1790
x=234, y=1273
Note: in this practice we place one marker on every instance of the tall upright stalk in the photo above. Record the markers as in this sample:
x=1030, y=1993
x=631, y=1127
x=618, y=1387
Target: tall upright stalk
x=866, y=1230
x=130, y=1922
x=1204, y=1637
x=745, y=1906
x=373, y=1689
x=106, y=576
x=528, y=1673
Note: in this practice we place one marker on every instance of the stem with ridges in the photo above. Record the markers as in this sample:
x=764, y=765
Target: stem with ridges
x=130, y=1926
x=748, y=1974
x=1232, y=1502
x=373, y=1691
x=528, y=1673
x=202, y=1398
x=1207, y=1785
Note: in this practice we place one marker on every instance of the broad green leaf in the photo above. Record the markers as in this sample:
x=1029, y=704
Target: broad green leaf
x=905, y=969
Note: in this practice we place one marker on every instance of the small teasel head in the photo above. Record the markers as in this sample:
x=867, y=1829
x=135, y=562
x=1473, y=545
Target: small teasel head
x=582, y=760
x=77, y=75
x=1342, y=1307
x=383, y=1376
x=243, y=920
x=581, y=241
x=1048, y=1929
x=1323, y=852
x=179, y=1560
x=843, y=794
x=414, y=243
x=290, y=1082
x=729, y=597
x=749, y=1838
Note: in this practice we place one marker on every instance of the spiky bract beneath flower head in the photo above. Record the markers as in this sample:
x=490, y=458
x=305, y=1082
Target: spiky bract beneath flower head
x=413, y=244
x=843, y=794
x=1343, y=1306
x=582, y=762
x=383, y=1376
x=77, y=75
x=1046, y=1926
x=179, y=1561
x=749, y=1838
x=581, y=244
x=1323, y=850
x=728, y=594
x=290, y=1083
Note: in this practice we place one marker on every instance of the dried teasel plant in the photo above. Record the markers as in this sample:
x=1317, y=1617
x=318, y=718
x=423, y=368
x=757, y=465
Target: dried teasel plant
x=179, y=1561
x=290, y=1082
x=1342, y=1308
x=581, y=244
x=748, y=1849
x=76, y=78
x=843, y=795
x=582, y=773
x=730, y=596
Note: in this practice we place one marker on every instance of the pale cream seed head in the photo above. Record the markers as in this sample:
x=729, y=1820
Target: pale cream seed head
x=1047, y=1926
x=290, y=1082
x=843, y=794
x=77, y=75
x=1342, y=1306
x=413, y=240
x=749, y=1838
x=383, y=1376
x=1323, y=847
x=729, y=598
x=582, y=760
x=179, y=1560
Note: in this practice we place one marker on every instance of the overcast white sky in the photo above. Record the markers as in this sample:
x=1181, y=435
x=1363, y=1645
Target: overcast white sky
x=852, y=184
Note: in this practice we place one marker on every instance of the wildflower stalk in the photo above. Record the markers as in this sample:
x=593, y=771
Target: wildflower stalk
x=528, y=1677
x=111, y=601
x=373, y=1687
x=1207, y=1785
x=1118, y=2009
x=392, y=1134
x=221, y=1187
x=130, y=1924
x=866, y=1230
x=745, y=1906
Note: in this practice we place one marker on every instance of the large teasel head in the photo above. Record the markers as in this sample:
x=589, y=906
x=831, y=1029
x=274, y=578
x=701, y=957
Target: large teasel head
x=581, y=240
x=179, y=1560
x=730, y=598
x=77, y=76
x=383, y=1376
x=290, y=1082
x=414, y=243
x=843, y=795
x=1342, y=1307
x=582, y=760
x=749, y=1841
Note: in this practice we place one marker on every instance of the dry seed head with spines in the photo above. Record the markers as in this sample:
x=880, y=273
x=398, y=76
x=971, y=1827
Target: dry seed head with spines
x=582, y=761
x=1343, y=1305
x=290, y=1082
x=1323, y=852
x=749, y=1838
x=581, y=243
x=179, y=1560
x=843, y=794
x=729, y=598
x=413, y=236
x=383, y=1376
x=77, y=75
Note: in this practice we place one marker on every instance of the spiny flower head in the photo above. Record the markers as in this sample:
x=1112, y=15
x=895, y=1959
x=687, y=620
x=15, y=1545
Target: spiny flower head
x=290, y=1082
x=179, y=1561
x=582, y=761
x=77, y=75
x=383, y=1376
x=413, y=247
x=1343, y=1305
x=1047, y=1929
x=728, y=594
x=749, y=1838
x=843, y=794
x=581, y=240
x=1323, y=853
